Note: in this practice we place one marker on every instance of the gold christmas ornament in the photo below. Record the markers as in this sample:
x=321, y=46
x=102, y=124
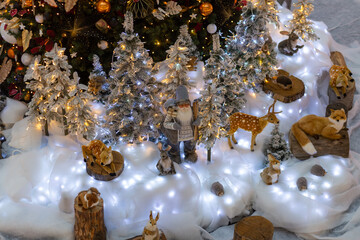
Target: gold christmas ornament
x=26, y=3
x=140, y=8
x=103, y=6
x=206, y=9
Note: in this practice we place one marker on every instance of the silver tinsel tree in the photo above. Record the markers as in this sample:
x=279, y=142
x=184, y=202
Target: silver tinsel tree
x=277, y=145
x=130, y=111
x=252, y=47
x=185, y=40
x=220, y=71
x=53, y=88
x=209, y=112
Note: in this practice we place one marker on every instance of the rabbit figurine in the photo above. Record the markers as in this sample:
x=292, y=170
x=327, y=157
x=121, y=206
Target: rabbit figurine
x=289, y=46
x=151, y=232
x=165, y=165
x=271, y=174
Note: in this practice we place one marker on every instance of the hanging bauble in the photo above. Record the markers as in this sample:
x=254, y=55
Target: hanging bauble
x=102, y=25
x=19, y=68
x=26, y=3
x=206, y=9
x=4, y=31
x=103, y=44
x=211, y=28
x=140, y=8
x=103, y=6
x=26, y=59
x=39, y=18
x=11, y=53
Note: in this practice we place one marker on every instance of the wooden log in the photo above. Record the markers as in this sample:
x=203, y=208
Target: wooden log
x=284, y=95
x=338, y=59
x=347, y=100
x=324, y=146
x=254, y=228
x=162, y=236
x=100, y=174
x=89, y=223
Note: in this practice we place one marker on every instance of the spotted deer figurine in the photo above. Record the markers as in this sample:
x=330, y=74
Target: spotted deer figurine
x=151, y=231
x=250, y=123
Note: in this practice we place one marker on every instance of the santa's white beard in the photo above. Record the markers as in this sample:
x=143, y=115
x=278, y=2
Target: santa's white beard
x=184, y=116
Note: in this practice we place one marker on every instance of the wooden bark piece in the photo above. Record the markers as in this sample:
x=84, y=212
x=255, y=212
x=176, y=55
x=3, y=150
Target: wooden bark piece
x=347, y=100
x=89, y=223
x=254, y=228
x=337, y=58
x=324, y=146
x=162, y=236
x=285, y=95
x=100, y=174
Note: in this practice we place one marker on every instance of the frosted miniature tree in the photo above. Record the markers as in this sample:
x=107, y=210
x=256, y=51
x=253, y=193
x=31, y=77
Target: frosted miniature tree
x=80, y=120
x=277, y=145
x=252, y=48
x=300, y=24
x=98, y=85
x=220, y=70
x=130, y=110
x=52, y=82
x=209, y=113
x=270, y=8
x=184, y=39
x=177, y=70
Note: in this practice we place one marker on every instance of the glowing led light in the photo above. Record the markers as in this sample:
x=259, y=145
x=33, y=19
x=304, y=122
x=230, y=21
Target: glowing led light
x=228, y=201
x=312, y=187
x=337, y=171
x=227, y=171
x=290, y=111
x=326, y=196
x=218, y=212
x=56, y=178
x=313, y=197
x=326, y=185
x=148, y=186
x=171, y=194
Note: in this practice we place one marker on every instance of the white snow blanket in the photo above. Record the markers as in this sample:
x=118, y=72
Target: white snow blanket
x=37, y=186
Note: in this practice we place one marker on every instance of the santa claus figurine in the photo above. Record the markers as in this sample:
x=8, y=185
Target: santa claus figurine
x=179, y=125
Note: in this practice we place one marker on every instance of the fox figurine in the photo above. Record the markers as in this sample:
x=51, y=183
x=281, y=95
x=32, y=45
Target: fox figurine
x=328, y=127
x=271, y=174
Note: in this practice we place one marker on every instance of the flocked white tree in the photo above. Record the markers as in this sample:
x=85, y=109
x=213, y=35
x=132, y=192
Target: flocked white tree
x=277, y=145
x=270, y=9
x=220, y=70
x=80, y=119
x=209, y=112
x=252, y=47
x=131, y=111
x=300, y=24
x=98, y=84
x=53, y=87
x=177, y=62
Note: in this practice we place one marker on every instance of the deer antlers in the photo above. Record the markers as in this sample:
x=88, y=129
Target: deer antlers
x=272, y=106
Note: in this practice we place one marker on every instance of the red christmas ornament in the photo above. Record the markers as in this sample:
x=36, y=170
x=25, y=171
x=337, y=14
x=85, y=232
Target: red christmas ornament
x=14, y=92
x=22, y=12
x=13, y=12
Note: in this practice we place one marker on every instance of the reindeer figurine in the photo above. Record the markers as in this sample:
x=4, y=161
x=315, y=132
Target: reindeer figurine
x=271, y=174
x=340, y=77
x=289, y=46
x=165, y=165
x=250, y=123
x=151, y=232
x=98, y=153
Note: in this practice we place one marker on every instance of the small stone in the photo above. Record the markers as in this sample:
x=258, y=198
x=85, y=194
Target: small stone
x=217, y=189
x=318, y=170
x=301, y=184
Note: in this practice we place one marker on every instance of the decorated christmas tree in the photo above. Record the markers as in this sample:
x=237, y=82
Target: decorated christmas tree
x=277, y=145
x=270, y=8
x=300, y=24
x=79, y=117
x=252, y=48
x=130, y=111
x=220, y=71
x=209, y=112
x=53, y=88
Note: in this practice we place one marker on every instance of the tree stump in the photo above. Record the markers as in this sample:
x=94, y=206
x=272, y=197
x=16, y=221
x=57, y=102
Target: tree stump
x=338, y=59
x=347, y=100
x=284, y=95
x=89, y=223
x=162, y=236
x=254, y=228
x=323, y=146
x=100, y=174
